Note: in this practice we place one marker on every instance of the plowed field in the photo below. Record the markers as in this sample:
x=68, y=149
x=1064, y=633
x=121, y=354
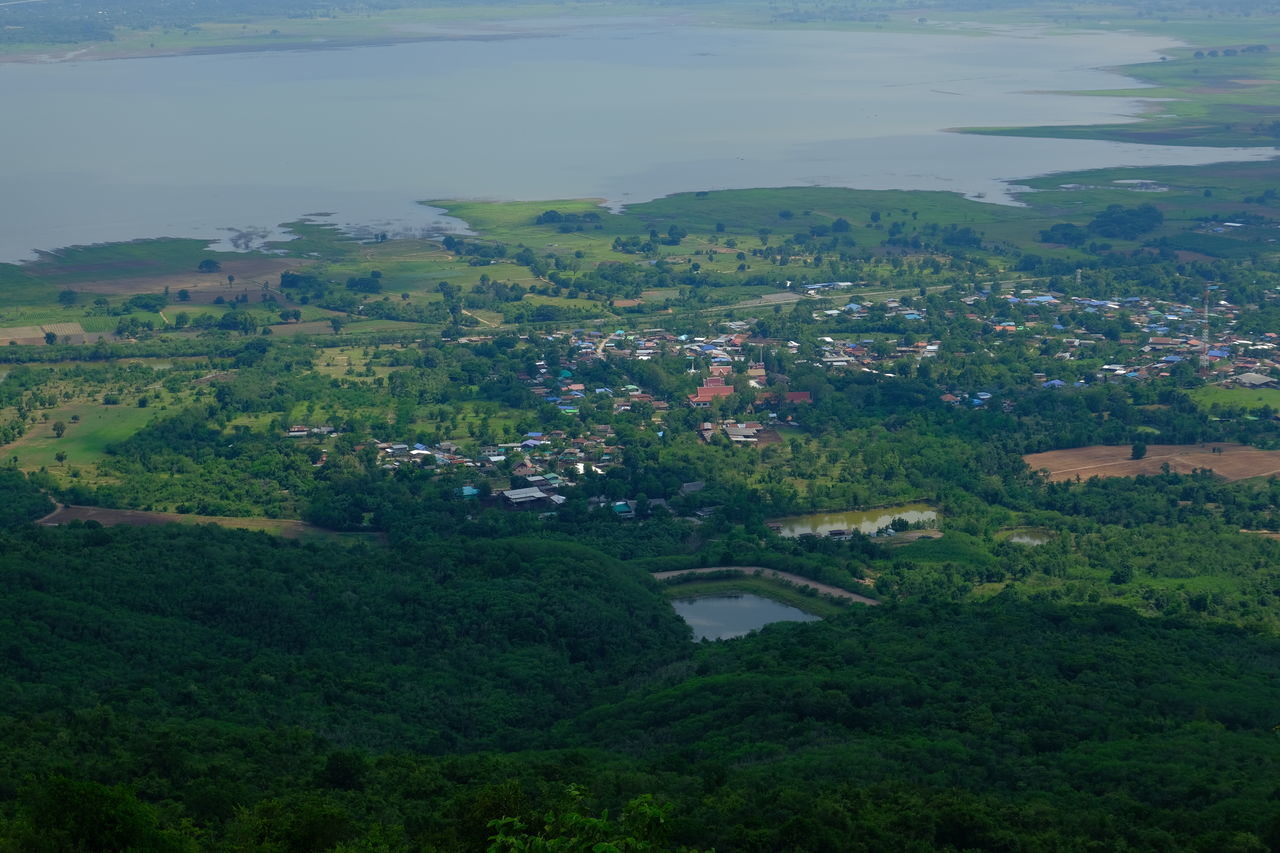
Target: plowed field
x=1230, y=461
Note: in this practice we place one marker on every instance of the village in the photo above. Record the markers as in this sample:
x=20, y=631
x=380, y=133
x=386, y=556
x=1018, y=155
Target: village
x=740, y=402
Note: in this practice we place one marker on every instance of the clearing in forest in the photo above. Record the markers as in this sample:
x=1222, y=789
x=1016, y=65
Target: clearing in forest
x=1230, y=461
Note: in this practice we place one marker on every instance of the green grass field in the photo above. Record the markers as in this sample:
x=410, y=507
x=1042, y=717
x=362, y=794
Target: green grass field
x=84, y=442
x=1246, y=398
x=38, y=282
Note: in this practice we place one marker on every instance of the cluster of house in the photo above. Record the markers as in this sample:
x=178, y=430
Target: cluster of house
x=1177, y=332
x=536, y=458
x=739, y=432
x=545, y=499
x=304, y=430
x=859, y=310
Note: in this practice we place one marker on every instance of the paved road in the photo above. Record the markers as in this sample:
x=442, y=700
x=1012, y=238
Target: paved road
x=825, y=589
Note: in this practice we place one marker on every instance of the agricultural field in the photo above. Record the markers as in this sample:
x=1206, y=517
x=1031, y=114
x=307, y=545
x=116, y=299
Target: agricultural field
x=1229, y=461
x=1209, y=396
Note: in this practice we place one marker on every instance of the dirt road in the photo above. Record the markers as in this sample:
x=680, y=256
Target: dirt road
x=825, y=589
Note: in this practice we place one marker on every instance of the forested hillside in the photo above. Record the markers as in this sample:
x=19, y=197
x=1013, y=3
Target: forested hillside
x=256, y=695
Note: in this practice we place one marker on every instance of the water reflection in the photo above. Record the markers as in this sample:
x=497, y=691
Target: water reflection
x=723, y=617
x=867, y=521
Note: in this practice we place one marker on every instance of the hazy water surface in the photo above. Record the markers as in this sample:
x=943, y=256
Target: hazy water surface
x=622, y=110
x=722, y=617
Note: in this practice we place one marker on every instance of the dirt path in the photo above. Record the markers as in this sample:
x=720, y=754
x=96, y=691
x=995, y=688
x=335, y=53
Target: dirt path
x=825, y=589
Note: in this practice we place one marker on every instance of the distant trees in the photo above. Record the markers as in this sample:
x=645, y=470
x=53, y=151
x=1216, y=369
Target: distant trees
x=1064, y=233
x=208, y=265
x=555, y=217
x=1126, y=223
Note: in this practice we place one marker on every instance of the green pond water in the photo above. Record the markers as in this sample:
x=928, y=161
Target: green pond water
x=866, y=521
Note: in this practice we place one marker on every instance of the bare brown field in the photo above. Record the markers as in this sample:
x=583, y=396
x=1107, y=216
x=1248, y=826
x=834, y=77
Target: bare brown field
x=22, y=335
x=287, y=528
x=34, y=335
x=308, y=327
x=1230, y=461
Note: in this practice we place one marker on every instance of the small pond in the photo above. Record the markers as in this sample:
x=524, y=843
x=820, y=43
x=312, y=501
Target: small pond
x=722, y=617
x=866, y=521
x=1029, y=536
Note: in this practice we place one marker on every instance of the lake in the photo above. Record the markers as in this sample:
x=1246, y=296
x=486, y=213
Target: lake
x=866, y=521
x=618, y=109
x=723, y=617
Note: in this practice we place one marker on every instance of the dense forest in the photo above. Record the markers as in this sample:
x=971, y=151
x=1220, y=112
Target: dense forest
x=188, y=688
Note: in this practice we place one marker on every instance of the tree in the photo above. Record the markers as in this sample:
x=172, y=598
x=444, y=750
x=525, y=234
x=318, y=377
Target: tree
x=67, y=298
x=1139, y=450
x=58, y=429
x=1126, y=222
x=184, y=295
x=208, y=265
x=65, y=814
x=1065, y=233
x=50, y=338
x=337, y=323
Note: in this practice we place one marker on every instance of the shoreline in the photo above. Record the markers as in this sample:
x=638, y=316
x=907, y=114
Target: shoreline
x=85, y=54
x=1148, y=114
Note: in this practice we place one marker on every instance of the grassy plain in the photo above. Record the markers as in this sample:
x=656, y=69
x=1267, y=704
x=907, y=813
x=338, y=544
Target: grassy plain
x=1248, y=398
x=719, y=226
x=84, y=442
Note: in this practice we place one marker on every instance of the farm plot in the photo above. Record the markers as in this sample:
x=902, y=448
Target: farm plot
x=1230, y=461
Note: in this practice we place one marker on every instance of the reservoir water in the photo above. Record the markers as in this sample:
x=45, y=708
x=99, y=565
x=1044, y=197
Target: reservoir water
x=866, y=521
x=723, y=617
x=622, y=110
